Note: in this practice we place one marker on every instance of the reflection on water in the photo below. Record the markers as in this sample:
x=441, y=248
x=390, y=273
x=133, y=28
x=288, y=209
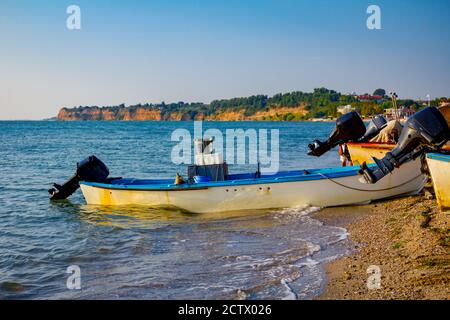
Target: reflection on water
x=146, y=217
x=143, y=252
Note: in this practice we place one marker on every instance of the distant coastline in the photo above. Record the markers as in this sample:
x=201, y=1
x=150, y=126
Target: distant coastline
x=320, y=105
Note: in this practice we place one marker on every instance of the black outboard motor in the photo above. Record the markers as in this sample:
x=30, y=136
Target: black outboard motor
x=425, y=129
x=349, y=127
x=374, y=127
x=90, y=169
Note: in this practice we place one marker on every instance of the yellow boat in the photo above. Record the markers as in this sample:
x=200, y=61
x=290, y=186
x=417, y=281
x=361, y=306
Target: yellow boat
x=439, y=167
x=438, y=164
x=360, y=152
x=364, y=151
x=445, y=110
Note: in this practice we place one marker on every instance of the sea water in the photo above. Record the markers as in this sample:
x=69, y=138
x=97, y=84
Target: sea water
x=143, y=252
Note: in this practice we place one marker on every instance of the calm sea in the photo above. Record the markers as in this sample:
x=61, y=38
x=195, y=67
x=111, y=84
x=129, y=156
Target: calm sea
x=143, y=252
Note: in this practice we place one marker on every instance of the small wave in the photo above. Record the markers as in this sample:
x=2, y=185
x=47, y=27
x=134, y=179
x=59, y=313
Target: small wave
x=298, y=211
x=290, y=293
x=344, y=235
x=241, y=295
x=309, y=263
x=236, y=258
x=312, y=248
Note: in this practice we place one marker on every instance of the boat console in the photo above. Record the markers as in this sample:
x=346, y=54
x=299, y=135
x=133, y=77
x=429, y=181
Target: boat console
x=427, y=129
x=208, y=164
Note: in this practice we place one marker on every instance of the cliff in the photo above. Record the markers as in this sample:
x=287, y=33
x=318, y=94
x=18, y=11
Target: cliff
x=108, y=113
x=151, y=113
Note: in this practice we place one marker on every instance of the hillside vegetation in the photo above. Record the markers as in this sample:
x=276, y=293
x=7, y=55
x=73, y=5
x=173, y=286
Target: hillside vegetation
x=292, y=106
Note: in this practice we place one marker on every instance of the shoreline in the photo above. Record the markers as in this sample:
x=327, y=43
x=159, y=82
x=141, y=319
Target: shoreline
x=407, y=238
x=208, y=120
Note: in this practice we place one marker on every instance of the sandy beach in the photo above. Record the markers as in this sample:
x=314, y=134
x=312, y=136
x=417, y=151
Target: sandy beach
x=407, y=238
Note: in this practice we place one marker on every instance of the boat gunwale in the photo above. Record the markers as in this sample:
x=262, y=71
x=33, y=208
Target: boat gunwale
x=373, y=145
x=341, y=172
x=385, y=145
x=443, y=157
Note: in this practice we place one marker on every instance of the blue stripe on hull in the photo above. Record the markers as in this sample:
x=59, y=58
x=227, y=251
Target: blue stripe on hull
x=439, y=156
x=232, y=180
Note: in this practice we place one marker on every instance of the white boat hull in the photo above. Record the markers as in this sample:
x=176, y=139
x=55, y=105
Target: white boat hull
x=325, y=192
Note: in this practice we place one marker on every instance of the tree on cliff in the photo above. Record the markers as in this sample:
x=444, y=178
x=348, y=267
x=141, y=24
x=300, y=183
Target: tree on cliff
x=379, y=92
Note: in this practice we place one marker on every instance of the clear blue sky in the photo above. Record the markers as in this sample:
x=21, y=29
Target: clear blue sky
x=167, y=50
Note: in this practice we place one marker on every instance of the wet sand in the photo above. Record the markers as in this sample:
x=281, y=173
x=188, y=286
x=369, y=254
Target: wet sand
x=407, y=238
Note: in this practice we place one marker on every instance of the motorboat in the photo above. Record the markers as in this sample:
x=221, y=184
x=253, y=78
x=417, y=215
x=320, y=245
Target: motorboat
x=318, y=188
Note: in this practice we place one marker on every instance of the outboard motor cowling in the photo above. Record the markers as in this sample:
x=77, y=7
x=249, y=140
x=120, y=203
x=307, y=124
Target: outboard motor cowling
x=374, y=127
x=426, y=128
x=90, y=169
x=349, y=127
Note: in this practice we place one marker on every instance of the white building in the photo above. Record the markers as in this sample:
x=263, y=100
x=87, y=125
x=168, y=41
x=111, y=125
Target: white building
x=345, y=109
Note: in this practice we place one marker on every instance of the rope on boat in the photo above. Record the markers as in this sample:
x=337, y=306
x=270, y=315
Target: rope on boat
x=365, y=190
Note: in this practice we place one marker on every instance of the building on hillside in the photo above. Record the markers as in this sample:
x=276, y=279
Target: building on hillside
x=345, y=109
x=368, y=98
